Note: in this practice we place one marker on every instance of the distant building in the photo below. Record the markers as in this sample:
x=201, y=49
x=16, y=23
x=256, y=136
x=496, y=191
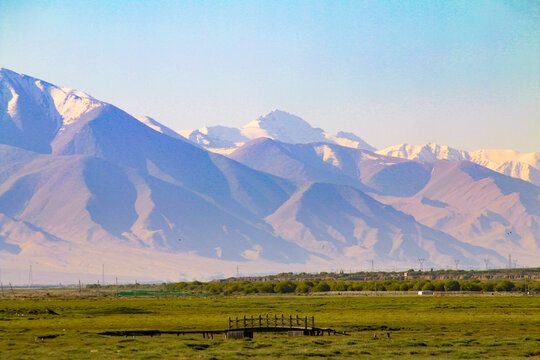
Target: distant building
x=425, y=292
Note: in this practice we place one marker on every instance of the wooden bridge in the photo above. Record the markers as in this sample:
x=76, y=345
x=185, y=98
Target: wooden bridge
x=294, y=325
x=272, y=322
x=245, y=327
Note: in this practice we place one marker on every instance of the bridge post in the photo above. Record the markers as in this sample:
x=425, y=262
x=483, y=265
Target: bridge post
x=260, y=321
x=313, y=321
x=252, y=323
x=244, y=321
x=297, y=320
x=305, y=322
x=290, y=320
x=266, y=320
x=229, y=323
x=237, y=322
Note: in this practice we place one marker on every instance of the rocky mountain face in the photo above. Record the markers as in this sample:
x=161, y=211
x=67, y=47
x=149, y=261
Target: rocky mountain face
x=84, y=184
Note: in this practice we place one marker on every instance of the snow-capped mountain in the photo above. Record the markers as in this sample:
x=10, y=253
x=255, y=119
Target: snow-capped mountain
x=525, y=166
x=278, y=125
x=83, y=183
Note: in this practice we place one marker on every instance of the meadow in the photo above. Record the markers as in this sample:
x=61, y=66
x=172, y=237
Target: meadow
x=404, y=327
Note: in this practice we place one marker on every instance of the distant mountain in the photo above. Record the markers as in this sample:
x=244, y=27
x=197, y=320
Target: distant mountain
x=278, y=125
x=322, y=162
x=525, y=166
x=472, y=203
x=83, y=183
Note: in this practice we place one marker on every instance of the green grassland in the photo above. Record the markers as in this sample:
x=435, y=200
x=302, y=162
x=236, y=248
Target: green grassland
x=404, y=327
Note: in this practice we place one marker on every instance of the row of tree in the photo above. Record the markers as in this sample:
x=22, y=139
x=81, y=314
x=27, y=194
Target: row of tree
x=309, y=286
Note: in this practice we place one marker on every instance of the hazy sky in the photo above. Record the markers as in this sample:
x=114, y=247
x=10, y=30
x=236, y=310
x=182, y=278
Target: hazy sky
x=460, y=73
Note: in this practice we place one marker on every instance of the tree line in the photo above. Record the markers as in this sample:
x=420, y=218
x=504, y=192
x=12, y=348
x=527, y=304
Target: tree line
x=314, y=286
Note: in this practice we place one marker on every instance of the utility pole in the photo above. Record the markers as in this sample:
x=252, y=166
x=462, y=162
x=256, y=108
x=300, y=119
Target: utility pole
x=421, y=261
x=372, y=266
x=30, y=276
x=103, y=274
x=456, y=261
x=486, y=261
x=509, y=261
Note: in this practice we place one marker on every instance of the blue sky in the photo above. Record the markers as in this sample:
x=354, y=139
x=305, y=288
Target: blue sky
x=459, y=73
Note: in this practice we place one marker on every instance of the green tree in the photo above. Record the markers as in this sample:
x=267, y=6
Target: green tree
x=451, y=285
x=405, y=286
x=322, y=286
x=428, y=286
x=505, y=285
x=302, y=287
x=266, y=287
x=284, y=287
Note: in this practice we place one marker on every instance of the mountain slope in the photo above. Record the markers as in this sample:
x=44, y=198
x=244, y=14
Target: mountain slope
x=478, y=206
x=343, y=221
x=90, y=200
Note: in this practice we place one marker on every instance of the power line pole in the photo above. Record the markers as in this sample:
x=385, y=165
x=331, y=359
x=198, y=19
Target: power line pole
x=103, y=274
x=1, y=283
x=421, y=261
x=30, y=276
x=456, y=261
x=372, y=266
x=509, y=261
x=486, y=261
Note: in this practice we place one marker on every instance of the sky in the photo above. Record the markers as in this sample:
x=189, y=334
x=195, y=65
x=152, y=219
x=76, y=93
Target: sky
x=458, y=73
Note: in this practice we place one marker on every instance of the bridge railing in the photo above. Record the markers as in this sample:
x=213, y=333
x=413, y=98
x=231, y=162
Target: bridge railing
x=272, y=321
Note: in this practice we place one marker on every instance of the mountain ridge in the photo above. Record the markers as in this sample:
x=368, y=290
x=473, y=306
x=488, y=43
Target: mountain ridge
x=525, y=166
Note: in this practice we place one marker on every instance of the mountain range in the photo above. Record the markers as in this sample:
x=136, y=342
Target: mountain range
x=84, y=184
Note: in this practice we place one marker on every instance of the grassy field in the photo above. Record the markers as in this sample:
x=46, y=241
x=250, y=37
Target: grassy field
x=404, y=327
